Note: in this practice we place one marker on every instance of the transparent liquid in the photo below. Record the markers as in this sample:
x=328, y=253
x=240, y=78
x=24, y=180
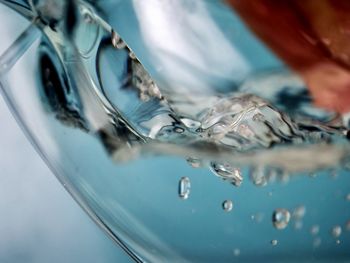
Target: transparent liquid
x=157, y=164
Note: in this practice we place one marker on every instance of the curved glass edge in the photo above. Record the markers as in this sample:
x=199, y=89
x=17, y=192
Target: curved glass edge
x=22, y=8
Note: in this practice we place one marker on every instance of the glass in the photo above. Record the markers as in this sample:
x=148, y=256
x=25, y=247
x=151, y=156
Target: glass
x=192, y=131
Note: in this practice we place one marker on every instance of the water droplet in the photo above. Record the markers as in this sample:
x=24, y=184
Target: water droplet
x=336, y=231
x=226, y=172
x=274, y=242
x=184, y=187
x=236, y=252
x=227, y=205
x=337, y=242
x=317, y=242
x=299, y=212
x=315, y=229
x=280, y=218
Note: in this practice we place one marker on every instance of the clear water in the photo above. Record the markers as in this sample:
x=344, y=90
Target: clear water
x=155, y=151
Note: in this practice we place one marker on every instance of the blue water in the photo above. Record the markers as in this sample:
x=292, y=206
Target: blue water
x=137, y=202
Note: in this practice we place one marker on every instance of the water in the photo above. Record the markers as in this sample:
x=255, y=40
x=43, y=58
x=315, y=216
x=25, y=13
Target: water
x=237, y=124
x=127, y=119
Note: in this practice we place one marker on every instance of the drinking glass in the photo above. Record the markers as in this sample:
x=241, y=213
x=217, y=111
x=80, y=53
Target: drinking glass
x=192, y=130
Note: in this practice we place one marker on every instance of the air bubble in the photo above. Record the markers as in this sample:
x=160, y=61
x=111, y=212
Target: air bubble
x=257, y=176
x=298, y=224
x=315, y=229
x=227, y=205
x=258, y=217
x=299, y=212
x=226, y=172
x=285, y=177
x=347, y=198
x=274, y=242
x=317, y=242
x=280, y=218
x=236, y=252
x=347, y=226
x=336, y=231
x=179, y=130
x=184, y=188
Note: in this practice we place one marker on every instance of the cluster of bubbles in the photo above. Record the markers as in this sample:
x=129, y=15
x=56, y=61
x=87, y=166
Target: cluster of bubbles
x=281, y=217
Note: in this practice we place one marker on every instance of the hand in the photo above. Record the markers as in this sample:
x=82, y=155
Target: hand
x=312, y=37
